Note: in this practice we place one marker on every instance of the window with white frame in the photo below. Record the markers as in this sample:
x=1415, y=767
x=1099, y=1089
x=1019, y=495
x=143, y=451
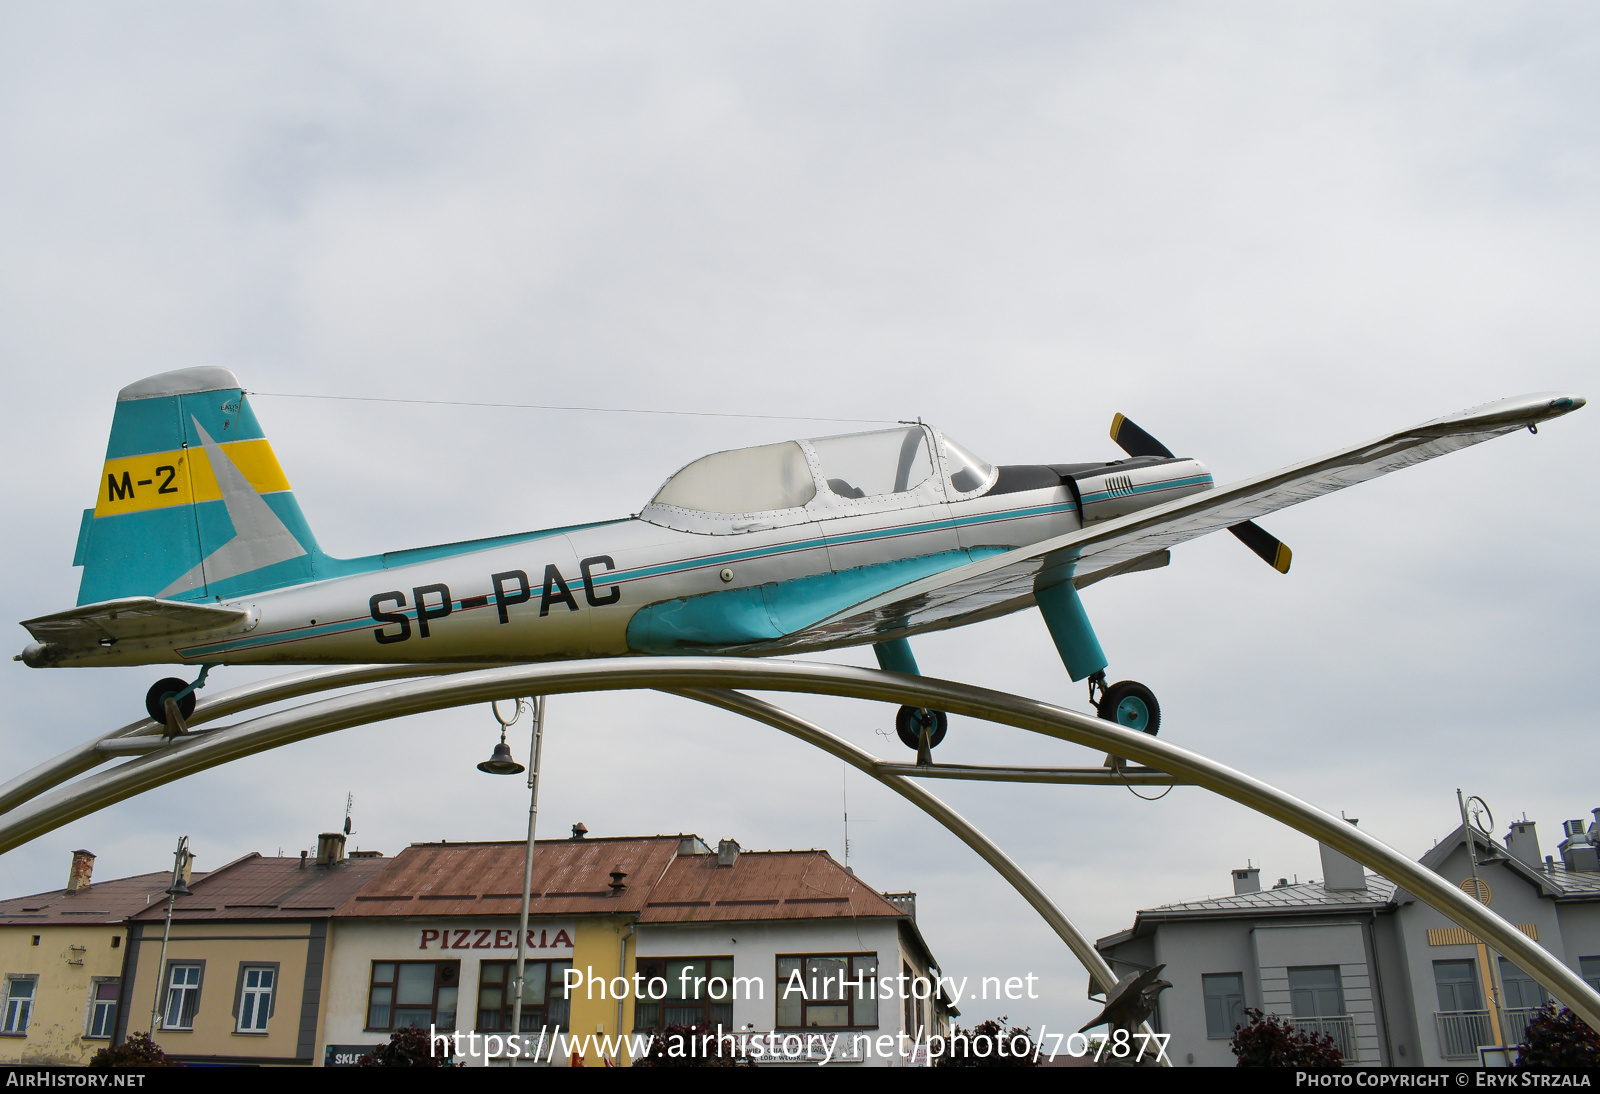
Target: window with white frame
x=103, y=1008
x=255, y=998
x=19, y=1003
x=183, y=997
x=1224, y=999
x=828, y=990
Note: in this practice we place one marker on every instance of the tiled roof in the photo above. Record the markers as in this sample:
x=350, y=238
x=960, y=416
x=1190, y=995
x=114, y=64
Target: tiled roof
x=570, y=877
x=102, y=902
x=257, y=887
x=1305, y=895
x=762, y=885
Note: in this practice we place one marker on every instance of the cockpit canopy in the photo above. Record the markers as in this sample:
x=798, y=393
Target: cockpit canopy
x=779, y=484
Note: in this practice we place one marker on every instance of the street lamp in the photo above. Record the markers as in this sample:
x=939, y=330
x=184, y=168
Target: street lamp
x=501, y=763
x=178, y=888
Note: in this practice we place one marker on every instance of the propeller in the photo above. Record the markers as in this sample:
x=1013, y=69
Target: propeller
x=1136, y=442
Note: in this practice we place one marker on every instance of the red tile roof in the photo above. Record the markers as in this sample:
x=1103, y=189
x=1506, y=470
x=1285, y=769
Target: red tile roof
x=257, y=887
x=102, y=902
x=762, y=885
x=570, y=877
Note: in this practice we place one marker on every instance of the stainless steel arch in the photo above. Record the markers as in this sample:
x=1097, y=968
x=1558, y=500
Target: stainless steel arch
x=222, y=744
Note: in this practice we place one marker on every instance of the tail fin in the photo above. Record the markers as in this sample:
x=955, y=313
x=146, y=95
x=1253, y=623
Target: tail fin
x=193, y=504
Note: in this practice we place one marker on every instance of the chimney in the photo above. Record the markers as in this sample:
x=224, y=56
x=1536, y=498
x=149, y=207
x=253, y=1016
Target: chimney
x=580, y=830
x=82, y=868
x=906, y=902
x=1340, y=872
x=1577, y=850
x=1522, y=840
x=618, y=879
x=727, y=852
x=1247, y=880
x=330, y=848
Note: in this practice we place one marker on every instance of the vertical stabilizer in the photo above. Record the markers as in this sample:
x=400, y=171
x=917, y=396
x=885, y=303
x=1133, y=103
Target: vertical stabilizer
x=192, y=503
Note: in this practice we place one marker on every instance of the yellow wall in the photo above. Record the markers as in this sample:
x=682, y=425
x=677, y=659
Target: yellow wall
x=224, y=947
x=596, y=949
x=57, y=1031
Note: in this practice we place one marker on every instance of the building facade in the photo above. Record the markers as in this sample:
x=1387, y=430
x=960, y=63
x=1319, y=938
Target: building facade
x=1393, y=982
x=61, y=956
x=244, y=976
x=692, y=936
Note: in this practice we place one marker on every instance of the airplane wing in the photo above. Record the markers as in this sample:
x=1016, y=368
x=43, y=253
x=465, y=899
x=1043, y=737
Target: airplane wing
x=1007, y=581
x=132, y=617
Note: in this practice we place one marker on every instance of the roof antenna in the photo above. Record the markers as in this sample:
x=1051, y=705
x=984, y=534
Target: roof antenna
x=349, y=804
x=844, y=786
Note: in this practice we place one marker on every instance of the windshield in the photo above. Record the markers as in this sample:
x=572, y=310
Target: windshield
x=967, y=472
x=745, y=480
x=887, y=461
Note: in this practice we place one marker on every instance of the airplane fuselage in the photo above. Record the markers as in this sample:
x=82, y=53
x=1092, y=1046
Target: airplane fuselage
x=633, y=586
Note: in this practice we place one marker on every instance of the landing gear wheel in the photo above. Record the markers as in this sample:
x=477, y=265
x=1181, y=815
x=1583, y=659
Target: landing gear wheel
x=909, y=722
x=1131, y=705
x=155, y=699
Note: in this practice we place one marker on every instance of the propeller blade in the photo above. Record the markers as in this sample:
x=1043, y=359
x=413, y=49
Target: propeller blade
x=1135, y=441
x=1273, y=551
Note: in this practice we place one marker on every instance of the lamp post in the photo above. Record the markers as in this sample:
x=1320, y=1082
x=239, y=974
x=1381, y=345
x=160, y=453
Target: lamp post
x=174, y=891
x=501, y=763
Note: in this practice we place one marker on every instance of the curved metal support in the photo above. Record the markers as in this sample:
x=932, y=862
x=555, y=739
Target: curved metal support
x=1078, y=776
x=188, y=755
x=760, y=710
x=86, y=757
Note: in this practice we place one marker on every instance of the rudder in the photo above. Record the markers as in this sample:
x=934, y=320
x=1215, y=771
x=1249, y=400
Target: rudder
x=192, y=503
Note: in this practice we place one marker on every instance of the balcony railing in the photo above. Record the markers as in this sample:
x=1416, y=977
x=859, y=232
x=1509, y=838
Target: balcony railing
x=1341, y=1027
x=1514, y=1023
x=1462, y=1032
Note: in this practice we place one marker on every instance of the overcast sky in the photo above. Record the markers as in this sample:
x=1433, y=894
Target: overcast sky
x=1261, y=231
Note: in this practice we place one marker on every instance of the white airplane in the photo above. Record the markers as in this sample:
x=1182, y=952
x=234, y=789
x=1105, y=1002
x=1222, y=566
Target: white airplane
x=196, y=551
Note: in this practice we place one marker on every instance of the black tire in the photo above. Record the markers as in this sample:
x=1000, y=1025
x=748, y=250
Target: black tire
x=155, y=699
x=907, y=728
x=1112, y=703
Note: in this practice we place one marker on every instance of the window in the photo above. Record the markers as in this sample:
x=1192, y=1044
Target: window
x=693, y=991
x=19, y=1004
x=183, y=997
x=1224, y=996
x=255, y=997
x=544, y=995
x=1589, y=969
x=1315, y=992
x=1522, y=991
x=413, y=993
x=828, y=990
x=967, y=472
x=1457, y=982
x=746, y=480
x=103, y=1008
x=889, y=461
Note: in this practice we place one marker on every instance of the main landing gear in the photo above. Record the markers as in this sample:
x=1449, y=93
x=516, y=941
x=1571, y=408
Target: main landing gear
x=1128, y=703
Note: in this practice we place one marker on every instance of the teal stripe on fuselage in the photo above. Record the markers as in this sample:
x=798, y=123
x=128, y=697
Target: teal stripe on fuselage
x=738, y=617
x=332, y=567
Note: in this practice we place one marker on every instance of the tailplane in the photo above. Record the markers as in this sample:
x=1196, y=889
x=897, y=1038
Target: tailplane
x=192, y=503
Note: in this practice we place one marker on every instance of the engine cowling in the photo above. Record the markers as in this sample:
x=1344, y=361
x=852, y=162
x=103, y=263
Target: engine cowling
x=1108, y=490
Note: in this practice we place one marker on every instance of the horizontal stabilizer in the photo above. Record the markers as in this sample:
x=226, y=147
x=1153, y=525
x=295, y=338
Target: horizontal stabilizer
x=132, y=617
